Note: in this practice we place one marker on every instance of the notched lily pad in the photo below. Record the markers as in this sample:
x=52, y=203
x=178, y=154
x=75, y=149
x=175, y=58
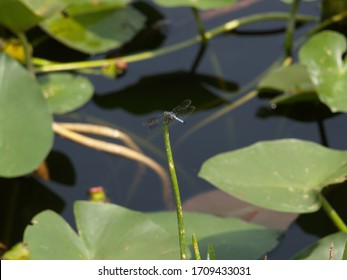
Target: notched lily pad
x=323, y=57
x=284, y=175
x=105, y=231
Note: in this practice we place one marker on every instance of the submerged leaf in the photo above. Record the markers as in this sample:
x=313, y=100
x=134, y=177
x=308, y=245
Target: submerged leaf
x=232, y=239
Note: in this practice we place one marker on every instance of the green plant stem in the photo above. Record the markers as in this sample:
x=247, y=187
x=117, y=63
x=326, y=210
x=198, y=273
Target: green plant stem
x=233, y=24
x=211, y=252
x=320, y=26
x=336, y=219
x=203, y=39
x=200, y=25
x=26, y=45
x=227, y=27
x=196, y=248
x=288, y=41
x=176, y=190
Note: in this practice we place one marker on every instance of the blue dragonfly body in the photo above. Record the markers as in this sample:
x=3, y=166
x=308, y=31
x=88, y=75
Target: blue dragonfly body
x=179, y=113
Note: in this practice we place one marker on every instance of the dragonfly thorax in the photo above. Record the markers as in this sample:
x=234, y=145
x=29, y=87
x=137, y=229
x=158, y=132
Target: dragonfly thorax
x=178, y=114
x=169, y=115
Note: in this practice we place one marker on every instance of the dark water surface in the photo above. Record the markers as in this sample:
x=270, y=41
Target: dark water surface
x=152, y=86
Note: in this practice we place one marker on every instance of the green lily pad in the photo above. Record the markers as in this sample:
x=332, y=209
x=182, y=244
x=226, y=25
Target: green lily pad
x=92, y=29
x=323, y=57
x=65, y=92
x=284, y=175
x=20, y=15
x=51, y=238
x=321, y=249
x=105, y=231
x=200, y=4
x=292, y=82
x=25, y=121
x=232, y=238
x=344, y=256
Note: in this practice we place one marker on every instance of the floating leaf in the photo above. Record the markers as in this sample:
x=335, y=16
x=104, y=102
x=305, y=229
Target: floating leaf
x=106, y=231
x=25, y=121
x=344, y=256
x=200, y=4
x=65, y=92
x=323, y=57
x=93, y=29
x=231, y=238
x=51, y=238
x=321, y=249
x=284, y=175
x=292, y=82
x=20, y=15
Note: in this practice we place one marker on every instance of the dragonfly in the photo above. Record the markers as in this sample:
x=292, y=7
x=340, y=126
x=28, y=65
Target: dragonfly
x=179, y=113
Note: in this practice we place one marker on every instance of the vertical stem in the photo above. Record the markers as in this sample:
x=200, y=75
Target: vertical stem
x=200, y=25
x=288, y=41
x=336, y=219
x=181, y=230
x=211, y=252
x=198, y=58
x=323, y=136
x=196, y=248
x=204, y=40
x=344, y=256
x=26, y=45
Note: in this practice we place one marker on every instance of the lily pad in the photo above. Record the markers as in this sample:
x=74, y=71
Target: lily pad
x=65, y=92
x=284, y=175
x=20, y=15
x=323, y=57
x=105, y=231
x=200, y=4
x=91, y=29
x=321, y=249
x=232, y=239
x=25, y=121
x=292, y=83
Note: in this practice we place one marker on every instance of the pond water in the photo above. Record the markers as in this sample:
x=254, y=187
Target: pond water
x=155, y=85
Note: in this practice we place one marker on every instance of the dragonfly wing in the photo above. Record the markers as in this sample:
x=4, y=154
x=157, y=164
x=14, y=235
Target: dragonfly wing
x=183, y=114
x=182, y=107
x=152, y=122
x=189, y=110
